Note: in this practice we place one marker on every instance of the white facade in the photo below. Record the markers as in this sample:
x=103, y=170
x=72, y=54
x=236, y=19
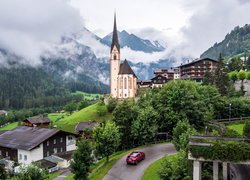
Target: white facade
x=114, y=70
x=26, y=157
x=127, y=86
x=70, y=143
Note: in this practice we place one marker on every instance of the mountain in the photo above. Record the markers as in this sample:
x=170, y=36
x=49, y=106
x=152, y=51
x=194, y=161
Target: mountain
x=235, y=42
x=134, y=42
x=77, y=62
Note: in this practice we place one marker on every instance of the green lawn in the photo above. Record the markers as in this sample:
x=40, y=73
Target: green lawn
x=88, y=96
x=56, y=116
x=151, y=173
x=68, y=123
x=9, y=126
x=237, y=127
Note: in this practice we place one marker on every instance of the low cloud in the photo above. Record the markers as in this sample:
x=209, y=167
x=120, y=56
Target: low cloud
x=27, y=28
x=211, y=23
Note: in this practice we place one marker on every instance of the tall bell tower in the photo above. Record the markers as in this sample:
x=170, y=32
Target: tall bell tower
x=114, y=62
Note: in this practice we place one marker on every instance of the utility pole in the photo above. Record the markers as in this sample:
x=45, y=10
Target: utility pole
x=230, y=105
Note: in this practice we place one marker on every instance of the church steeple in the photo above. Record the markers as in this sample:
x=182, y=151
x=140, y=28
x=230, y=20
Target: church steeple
x=115, y=41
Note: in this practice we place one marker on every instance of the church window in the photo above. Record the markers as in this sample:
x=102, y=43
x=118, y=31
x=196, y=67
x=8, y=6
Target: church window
x=130, y=83
x=121, y=83
x=125, y=95
x=114, y=56
x=125, y=83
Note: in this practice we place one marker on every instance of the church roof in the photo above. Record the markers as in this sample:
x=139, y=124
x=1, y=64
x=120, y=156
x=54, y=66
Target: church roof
x=125, y=68
x=115, y=41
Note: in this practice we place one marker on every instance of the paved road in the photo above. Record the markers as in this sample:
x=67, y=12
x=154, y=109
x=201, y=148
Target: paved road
x=63, y=174
x=122, y=171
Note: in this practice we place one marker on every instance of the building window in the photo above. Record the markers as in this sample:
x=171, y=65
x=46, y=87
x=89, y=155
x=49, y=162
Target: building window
x=7, y=153
x=47, y=143
x=55, y=150
x=130, y=83
x=25, y=157
x=54, y=141
x=70, y=138
x=114, y=56
x=61, y=139
x=47, y=153
x=61, y=149
x=0, y=153
x=125, y=83
x=121, y=83
x=20, y=156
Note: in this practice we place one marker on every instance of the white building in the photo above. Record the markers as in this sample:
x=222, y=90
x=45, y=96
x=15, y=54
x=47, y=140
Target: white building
x=123, y=81
x=27, y=144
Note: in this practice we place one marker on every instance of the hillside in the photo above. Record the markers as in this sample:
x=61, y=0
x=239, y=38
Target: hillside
x=235, y=42
x=68, y=123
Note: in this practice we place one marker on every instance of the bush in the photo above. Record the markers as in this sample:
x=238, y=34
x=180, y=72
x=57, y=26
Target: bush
x=246, y=130
x=101, y=108
x=111, y=105
x=181, y=134
x=31, y=172
x=175, y=168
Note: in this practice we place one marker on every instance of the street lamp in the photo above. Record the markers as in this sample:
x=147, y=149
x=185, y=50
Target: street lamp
x=230, y=105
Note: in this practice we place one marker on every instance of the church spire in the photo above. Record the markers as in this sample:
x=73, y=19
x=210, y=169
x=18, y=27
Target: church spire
x=115, y=41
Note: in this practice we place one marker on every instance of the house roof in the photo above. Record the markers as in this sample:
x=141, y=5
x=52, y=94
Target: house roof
x=38, y=120
x=43, y=163
x=197, y=60
x=126, y=69
x=26, y=138
x=159, y=77
x=65, y=155
x=81, y=126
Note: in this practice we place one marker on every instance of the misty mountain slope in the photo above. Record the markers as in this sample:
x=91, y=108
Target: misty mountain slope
x=133, y=42
x=235, y=42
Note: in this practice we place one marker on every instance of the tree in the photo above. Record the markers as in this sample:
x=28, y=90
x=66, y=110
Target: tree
x=112, y=103
x=181, y=134
x=82, y=160
x=175, y=167
x=235, y=64
x=145, y=126
x=242, y=77
x=246, y=130
x=248, y=75
x=233, y=76
x=208, y=78
x=32, y=172
x=181, y=100
x=107, y=138
x=221, y=78
x=101, y=108
x=84, y=103
x=248, y=63
x=124, y=115
x=70, y=107
x=3, y=173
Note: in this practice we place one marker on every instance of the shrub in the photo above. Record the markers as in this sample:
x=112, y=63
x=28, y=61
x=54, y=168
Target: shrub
x=246, y=130
x=175, y=168
x=111, y=105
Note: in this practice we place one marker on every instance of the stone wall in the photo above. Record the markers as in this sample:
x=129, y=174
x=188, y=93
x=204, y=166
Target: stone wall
x=246, y=87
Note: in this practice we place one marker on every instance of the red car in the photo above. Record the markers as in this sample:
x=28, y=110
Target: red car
x=135, y=157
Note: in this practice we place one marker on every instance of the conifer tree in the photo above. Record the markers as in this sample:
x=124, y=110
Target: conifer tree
x=221, y=80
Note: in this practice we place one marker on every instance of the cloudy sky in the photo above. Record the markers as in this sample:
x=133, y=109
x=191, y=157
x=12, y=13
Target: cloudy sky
x=191, y=26
x=188, y=27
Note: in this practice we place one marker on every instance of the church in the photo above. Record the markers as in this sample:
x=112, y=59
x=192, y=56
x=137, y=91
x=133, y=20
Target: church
x=123, y=81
